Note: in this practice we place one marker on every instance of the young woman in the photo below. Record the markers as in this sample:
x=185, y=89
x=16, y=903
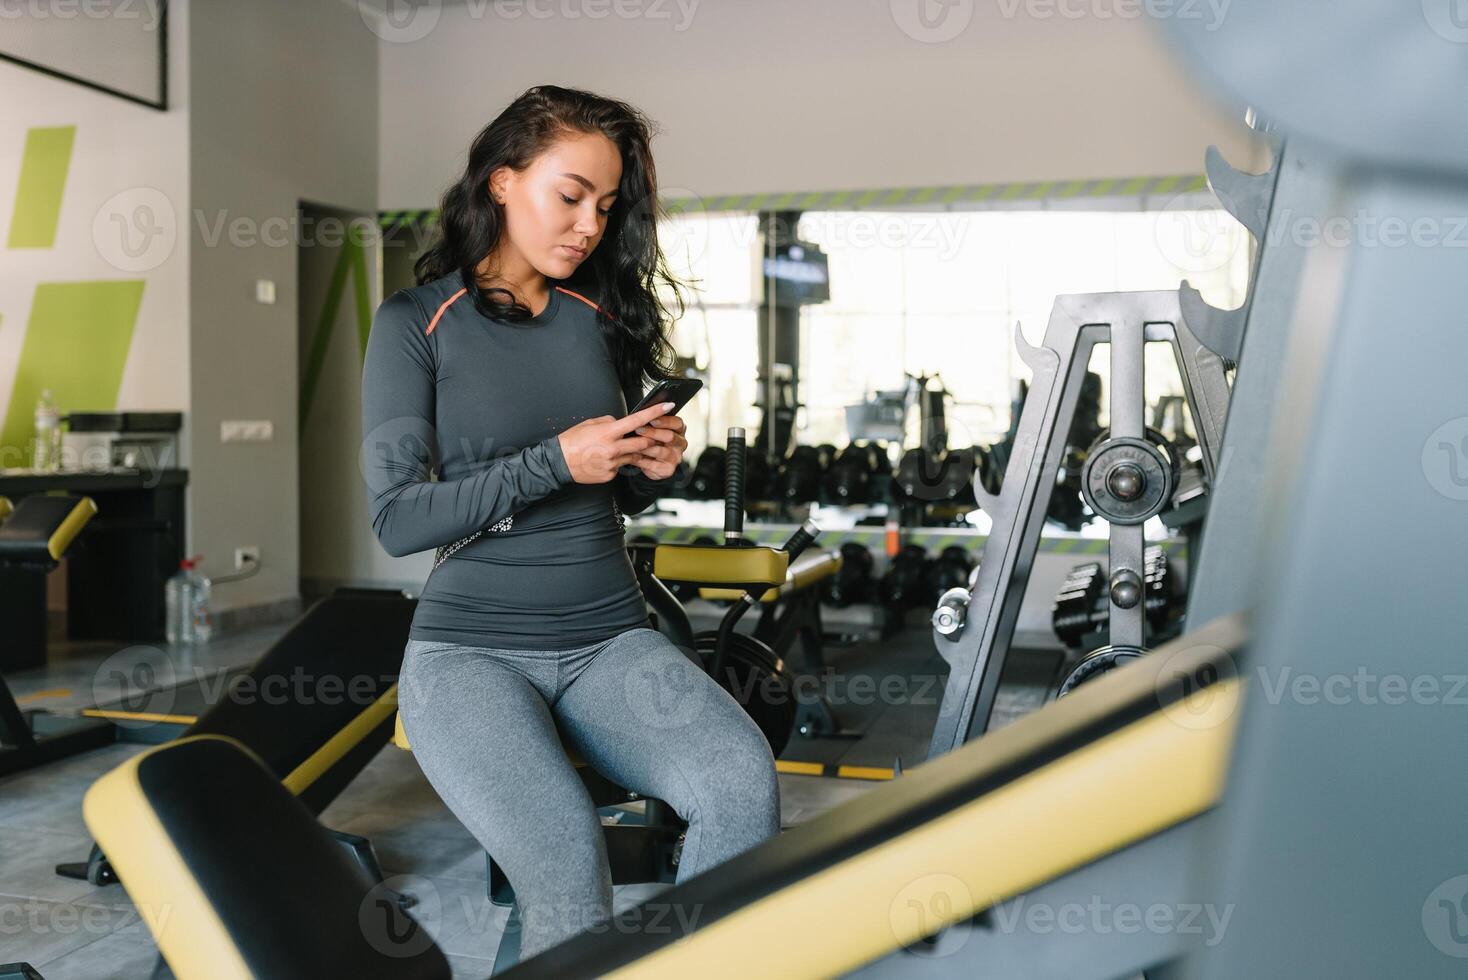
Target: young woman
x=508, y=371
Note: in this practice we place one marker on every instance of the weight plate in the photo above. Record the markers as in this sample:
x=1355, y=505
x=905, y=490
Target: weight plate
x=1096, y=663
x=1115, y=469
x=753, y=676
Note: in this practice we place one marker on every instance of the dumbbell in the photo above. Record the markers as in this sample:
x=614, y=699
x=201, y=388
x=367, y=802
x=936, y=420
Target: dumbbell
x=907, y=478
x=967, y=464
x=1083, y=602
x=950, y=570
x=1072, y=616
x=682, y=476
x=849, y=480
x=879, y=490
x=852, y=583
x=707, y=481
x=902, y=587
x=998, y=457
x=758, y=478
x=827, y=455
x=799, y=479
x=1067, y=507
x=925, y=477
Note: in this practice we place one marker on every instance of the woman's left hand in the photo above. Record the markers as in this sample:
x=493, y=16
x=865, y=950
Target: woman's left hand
x=660, y=461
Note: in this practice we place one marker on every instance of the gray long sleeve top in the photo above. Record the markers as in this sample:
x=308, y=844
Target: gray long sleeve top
x=478, y=403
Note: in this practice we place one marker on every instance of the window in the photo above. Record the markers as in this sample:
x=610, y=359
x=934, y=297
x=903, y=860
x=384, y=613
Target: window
x=932, y=293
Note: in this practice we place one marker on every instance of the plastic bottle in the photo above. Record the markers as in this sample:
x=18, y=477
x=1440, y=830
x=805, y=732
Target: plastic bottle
x=178, y=599
x=203, y=622
x=46, y=456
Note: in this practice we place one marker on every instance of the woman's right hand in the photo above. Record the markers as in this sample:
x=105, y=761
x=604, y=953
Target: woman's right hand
x=597, y=448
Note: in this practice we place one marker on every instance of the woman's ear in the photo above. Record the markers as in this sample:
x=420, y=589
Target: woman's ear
x=497, y=184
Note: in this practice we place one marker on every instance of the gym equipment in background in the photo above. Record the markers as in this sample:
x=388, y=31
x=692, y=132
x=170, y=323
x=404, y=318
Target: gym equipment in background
x=1126, y=478
x=314, y=709
x=753, y=667
x=857, y=474
x=1082, y=613
x=34, y=537
x=853, y=582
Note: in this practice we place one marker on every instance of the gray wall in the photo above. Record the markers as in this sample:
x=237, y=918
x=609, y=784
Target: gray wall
x=283, y=109
x=337, y=543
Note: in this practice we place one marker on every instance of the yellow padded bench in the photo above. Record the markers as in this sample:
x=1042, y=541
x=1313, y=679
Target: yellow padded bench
x=809, y=568
x=746, y=568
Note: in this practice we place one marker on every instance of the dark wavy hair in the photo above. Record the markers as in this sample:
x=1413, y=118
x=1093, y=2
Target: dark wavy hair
x=627, y=268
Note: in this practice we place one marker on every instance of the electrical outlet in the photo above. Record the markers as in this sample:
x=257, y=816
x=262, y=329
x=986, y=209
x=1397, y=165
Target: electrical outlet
x=248, y=554
x=246, y=430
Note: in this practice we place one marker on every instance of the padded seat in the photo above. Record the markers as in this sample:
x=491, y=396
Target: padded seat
x=747, y=569
x=808, y=569
x=203, y=830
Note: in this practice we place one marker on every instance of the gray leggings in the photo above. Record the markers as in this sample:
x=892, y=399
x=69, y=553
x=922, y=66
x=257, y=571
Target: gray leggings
x=487, y=725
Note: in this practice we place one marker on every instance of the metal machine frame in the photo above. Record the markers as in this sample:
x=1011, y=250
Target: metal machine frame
x=1206, y=342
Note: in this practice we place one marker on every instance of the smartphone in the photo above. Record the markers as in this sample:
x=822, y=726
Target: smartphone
x=675, y=390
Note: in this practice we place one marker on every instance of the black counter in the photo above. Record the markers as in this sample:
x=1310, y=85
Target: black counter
x=117, y=567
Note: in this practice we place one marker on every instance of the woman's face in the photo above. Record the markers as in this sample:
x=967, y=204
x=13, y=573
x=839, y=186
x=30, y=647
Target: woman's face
x=556, y=210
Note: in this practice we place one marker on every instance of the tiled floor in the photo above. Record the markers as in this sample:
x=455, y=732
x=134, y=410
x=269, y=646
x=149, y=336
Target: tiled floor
x=72, y=929
x=69, y=929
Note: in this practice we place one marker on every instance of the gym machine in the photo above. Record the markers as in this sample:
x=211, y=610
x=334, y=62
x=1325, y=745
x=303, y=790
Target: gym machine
x=34, y=537
x=1130, y=476
x=753, y=667
x=1127, y=480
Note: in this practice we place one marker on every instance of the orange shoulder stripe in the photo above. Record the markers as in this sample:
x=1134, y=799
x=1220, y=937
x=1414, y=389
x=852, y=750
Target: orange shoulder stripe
x=432, y=324
x=582, y=299
x=439, y=315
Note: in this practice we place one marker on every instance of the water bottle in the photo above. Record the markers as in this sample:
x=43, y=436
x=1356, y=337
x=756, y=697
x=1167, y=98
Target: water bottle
x=46, y=455
x=178, y=603
x=203, y=623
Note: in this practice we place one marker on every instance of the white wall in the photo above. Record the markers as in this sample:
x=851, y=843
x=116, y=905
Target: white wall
x=124, y=155
x=772, y=95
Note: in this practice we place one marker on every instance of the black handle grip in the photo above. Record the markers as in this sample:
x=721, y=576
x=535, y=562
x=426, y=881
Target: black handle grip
x=801, y=539
x=734, y=487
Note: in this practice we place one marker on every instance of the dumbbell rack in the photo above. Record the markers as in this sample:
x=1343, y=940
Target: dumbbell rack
x=1126, y=479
